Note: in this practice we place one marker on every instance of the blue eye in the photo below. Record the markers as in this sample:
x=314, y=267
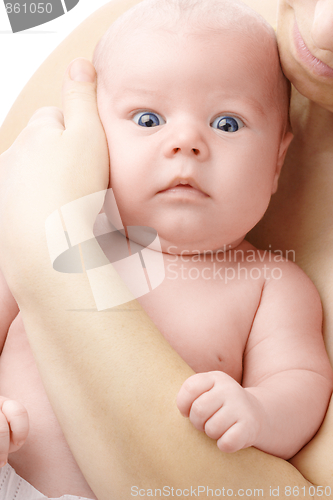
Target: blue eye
x=148, y=119
x=227, y=123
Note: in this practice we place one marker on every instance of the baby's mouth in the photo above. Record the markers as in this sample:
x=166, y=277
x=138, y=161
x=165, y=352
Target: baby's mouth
x=183, y=192
x=179, y=185
x=184, y=186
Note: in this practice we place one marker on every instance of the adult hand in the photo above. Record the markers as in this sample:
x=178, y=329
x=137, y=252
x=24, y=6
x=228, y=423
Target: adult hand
x=59, y=157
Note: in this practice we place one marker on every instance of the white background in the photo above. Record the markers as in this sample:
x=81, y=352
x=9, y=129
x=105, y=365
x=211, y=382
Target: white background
x=22, y=53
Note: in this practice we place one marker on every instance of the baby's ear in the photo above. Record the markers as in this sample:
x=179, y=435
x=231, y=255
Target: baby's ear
x=284, y=145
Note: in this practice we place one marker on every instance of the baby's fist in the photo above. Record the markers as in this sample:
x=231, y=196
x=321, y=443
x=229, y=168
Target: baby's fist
x=14, y=427
x=219, y=406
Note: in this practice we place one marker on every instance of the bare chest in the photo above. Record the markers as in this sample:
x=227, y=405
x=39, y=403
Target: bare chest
x=205, y=311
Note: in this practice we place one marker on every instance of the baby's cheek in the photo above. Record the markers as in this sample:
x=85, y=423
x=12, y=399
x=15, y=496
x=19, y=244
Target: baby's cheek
x=125, y=196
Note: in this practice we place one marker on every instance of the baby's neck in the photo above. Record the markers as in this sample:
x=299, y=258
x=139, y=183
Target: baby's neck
x=190, y=250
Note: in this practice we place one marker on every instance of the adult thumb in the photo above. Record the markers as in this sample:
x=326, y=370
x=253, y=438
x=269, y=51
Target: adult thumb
x=79, y=94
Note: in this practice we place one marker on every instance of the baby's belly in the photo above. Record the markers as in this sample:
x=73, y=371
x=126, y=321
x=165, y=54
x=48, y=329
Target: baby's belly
x=45, y=460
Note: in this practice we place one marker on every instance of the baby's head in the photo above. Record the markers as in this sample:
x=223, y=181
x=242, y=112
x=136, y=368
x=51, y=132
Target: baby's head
x=195, y=110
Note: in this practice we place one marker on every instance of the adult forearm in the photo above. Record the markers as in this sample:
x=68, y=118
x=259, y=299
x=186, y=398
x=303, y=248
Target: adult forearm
x=112, y=380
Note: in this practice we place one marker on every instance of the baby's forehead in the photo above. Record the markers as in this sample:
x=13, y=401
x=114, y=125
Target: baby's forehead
x=197, y=17
x=173, y=20
x=142, y=50
x=115, y=52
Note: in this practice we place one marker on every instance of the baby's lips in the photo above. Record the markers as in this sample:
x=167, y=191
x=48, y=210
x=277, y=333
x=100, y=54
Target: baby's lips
x=180, y=181
x=23, y=15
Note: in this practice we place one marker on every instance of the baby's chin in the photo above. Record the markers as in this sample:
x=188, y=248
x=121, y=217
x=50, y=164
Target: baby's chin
x=176, y=237
x=183, y=246
x=187, y=241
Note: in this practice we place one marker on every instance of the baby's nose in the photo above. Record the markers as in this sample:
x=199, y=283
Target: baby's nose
x=322, y=26
x=188, y=142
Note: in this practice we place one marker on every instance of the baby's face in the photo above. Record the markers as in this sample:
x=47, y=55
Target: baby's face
x=194, y=141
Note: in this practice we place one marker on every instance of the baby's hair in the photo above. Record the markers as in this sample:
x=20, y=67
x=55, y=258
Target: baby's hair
x=193, y=17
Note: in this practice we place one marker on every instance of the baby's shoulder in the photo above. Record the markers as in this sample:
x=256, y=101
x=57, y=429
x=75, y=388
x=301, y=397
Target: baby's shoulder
x=282, y=276
x=289, y=289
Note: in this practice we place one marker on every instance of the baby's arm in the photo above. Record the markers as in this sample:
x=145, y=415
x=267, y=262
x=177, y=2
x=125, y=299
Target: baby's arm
x=14, y=423
x=285, y=363
x=287, y=379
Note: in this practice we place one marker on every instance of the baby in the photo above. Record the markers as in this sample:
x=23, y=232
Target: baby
x=195, y=110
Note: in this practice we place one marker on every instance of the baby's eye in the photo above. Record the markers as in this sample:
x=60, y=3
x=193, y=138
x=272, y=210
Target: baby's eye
x=227, y=123
x=148, y=119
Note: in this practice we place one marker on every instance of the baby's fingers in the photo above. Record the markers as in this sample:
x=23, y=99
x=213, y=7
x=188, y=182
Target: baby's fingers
x=191, y=389
x=205, y=407
x=4, y=439
x=235, y=438
x=18, y=420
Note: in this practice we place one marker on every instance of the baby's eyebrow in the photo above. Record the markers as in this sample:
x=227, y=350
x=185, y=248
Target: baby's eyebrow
x=235, y=98
x=225, y=98
x=257, y=105
x=124, y=91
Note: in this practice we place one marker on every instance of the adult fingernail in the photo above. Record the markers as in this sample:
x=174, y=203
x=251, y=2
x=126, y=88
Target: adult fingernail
x=2, y=464
x=82, y=71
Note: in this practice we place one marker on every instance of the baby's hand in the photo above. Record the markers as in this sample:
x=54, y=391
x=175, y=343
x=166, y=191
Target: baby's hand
x=14, y=427
x=222, y=408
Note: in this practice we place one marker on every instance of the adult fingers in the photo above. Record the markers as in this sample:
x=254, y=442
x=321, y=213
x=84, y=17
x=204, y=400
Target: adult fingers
x=48, y=116
x=79, y=94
